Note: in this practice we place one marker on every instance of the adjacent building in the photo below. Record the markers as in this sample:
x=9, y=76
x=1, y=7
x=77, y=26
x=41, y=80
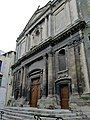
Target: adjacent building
x=52, y=64
x=6, y=60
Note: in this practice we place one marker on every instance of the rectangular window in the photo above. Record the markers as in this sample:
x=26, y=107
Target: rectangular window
x=62, y=60
x=0, y=65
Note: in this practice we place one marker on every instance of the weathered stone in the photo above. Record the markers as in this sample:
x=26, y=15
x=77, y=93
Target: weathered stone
x=53, y=51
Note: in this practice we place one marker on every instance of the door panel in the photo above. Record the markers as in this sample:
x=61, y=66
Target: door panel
x=35, y=92
x=64, y=95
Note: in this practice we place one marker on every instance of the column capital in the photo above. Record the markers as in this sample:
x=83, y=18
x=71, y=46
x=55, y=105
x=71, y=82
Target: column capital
x=50, y=50
x=50, y=14
x=50, y=53
x=44, y=55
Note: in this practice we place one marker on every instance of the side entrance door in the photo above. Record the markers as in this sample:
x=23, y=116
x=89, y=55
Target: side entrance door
x=64, y=96
x=35, y=92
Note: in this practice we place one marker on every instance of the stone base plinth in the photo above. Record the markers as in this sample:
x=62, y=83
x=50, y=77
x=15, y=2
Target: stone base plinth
x=41, y=103
x=20, y=102
x=79, y=101
x=48, y=103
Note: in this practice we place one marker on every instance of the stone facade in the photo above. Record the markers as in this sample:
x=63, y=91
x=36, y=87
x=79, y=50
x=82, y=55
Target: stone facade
x=52, y=56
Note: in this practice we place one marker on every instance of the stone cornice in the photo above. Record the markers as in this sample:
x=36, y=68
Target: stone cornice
x=69, y=31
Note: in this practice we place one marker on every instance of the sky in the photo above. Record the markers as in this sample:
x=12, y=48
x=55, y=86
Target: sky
x=14, y=15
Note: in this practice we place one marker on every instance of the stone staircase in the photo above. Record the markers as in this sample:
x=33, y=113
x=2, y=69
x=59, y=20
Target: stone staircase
x=26, y=113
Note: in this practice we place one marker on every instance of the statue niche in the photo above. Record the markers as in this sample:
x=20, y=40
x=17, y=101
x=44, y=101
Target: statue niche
x=37, y=35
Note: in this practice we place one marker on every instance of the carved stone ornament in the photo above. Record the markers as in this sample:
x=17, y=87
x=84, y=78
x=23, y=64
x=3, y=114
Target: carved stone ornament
x=37, y=31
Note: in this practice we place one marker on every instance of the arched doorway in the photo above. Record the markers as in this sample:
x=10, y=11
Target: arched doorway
x=35, y=77
x=35, y=92
x=63, y=90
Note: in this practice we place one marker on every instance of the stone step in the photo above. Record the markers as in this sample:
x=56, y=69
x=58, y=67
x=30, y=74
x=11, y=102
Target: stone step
x=11, y=117
x=32, y=116
x=17, y=113
x=39, y=112
x=26, y=113
x=36, y=110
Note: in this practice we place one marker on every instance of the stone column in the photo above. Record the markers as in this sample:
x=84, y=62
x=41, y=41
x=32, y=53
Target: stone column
x=15, y=81
x=19, y=53
x=21, y=78
x=41, y=37
x=46, y=34
x=49, y=27
x=56, y=63
x=29, y=42
x=51, y=102
x=50, y=74
x=26, y=45
x=32, y=39
x=13, y=84
x=72, y=70
x=44, y=78
x=84, y=68
x=23, y=84
x=16, y=50
x=78, y=68
x=28, y=90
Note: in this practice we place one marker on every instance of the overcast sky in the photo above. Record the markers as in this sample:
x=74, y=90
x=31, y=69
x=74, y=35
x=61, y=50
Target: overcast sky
x=14, y=15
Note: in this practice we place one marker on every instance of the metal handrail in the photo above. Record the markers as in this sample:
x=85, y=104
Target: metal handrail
x=38, y=117
x=1, y=113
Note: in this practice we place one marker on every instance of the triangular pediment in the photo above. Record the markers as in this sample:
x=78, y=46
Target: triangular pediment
x=36, y=15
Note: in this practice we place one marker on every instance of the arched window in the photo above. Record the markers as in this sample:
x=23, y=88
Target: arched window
x=62, y=60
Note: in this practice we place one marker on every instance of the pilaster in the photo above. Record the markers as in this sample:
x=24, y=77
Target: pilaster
x=78, y=68
x=26, y=43
x=46, y=23
x=41, y=102
x=29, y=42
x=51, y=102
x=84, y=68
x=50, y=74
x=44, y=78
x=21, y=78
x=56, y=63
x=49, y=27
x=23, y=84
x=72, y=69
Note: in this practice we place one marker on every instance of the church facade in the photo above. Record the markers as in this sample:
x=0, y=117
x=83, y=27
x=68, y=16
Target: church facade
x=53, y=55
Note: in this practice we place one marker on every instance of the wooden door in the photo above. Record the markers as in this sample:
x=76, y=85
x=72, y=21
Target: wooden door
x=64, y=96
x=35, y=92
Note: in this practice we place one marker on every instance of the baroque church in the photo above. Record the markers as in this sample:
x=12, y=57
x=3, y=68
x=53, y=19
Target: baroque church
x=52, y=65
